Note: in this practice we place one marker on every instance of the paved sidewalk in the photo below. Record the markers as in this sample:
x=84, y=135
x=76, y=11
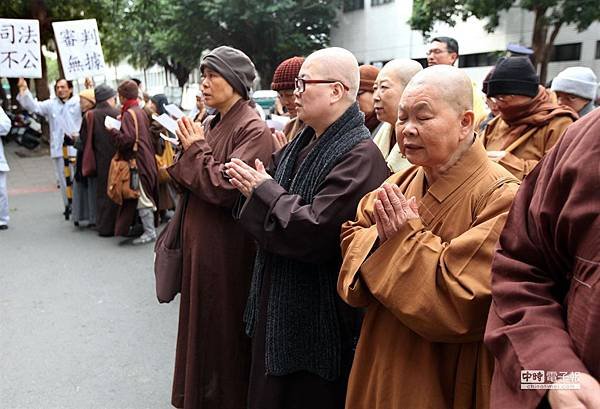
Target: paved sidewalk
x=80, y=327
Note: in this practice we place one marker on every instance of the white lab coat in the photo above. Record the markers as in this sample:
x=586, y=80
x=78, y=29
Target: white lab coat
x=4, y=129
x=63, y=117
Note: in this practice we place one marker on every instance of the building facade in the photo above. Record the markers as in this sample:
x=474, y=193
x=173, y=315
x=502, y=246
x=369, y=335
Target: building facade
x=377, y=31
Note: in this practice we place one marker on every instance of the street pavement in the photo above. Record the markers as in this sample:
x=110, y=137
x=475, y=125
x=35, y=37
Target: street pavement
x=80, y=326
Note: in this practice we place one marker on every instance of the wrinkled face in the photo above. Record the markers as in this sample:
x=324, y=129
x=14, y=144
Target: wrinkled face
x=428, y=129
x=62, y=90
x=365, y=101
x=217, y=91
x=572, y=101
x=388, y=91
x=286, y=96
x=315, y=100
x=437, y=53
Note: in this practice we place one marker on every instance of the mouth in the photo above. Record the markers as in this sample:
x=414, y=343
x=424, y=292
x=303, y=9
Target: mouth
x=411, y=147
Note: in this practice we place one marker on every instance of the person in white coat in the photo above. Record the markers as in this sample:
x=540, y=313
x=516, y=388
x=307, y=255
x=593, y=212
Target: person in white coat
x=4, y=129
x=64, y=117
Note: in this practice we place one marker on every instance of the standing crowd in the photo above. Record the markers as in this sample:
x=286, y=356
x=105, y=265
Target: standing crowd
x=397, y=245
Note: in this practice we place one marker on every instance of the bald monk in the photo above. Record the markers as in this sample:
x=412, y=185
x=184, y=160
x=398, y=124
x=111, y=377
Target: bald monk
x=418, y=257
x=303, y=335
x=388, y=88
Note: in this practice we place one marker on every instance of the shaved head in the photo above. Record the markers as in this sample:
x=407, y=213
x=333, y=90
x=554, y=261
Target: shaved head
x=401, y=69
x=338, y=64
x=452, y=84
x=389, y=87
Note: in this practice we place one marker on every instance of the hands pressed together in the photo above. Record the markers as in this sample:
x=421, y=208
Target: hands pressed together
x=244, y=177
x=393, y=210
x=189, y=132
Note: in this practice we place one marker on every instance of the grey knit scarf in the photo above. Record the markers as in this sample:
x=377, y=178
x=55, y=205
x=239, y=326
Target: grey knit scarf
x=302, y=328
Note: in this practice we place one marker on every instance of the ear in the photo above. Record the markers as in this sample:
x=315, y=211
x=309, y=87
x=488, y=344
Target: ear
x=467, y=123
x=337, y=92
x=454, y=58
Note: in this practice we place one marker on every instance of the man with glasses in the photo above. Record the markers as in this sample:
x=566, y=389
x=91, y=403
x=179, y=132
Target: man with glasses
x=529, y=123
x=444, y=50
x=303, y=334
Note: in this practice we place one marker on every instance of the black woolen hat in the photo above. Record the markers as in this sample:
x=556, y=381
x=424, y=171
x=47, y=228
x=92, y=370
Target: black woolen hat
x=103, y=92
x=513, y=75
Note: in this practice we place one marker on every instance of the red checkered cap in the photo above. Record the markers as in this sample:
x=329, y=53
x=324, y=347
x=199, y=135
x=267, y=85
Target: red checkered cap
x=285, y=73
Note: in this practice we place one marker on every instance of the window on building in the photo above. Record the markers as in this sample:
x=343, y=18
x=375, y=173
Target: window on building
x=380, y=2
x=350, y=5
x=478, y=60
x=566, y=52
x=598, y=50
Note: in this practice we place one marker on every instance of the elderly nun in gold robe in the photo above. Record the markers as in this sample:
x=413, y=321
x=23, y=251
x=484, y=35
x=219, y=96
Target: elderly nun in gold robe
x=418, y=257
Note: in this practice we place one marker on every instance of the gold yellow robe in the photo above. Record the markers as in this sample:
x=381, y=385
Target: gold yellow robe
x=427, y=289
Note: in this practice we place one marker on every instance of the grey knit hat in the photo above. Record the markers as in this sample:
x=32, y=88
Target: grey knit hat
x=235, y=66
x=578, y=81
x=103, y=92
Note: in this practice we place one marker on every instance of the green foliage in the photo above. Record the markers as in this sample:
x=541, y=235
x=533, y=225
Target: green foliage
x=581, y=13
x=174, y=34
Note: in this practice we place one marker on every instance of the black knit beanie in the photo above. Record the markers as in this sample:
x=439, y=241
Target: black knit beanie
x=233, y=65
x=513, y=76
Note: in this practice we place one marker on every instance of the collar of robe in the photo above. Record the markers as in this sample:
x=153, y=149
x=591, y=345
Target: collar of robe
x=472, y=160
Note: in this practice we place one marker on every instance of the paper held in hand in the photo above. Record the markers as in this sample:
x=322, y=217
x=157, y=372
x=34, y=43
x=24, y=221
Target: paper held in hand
x=174, y=111
x=278, y=122
x=166, y=121
x=110, y=122
x=174, y=141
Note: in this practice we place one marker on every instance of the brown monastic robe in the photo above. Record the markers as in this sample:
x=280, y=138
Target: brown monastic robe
x=527, y=133
x=213, y=352
x=545, y=311
x=104, y=150
x=124, y=140
x=427, y=289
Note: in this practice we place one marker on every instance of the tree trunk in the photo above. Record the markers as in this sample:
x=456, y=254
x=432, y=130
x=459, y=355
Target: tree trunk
x=548, y=52
x=42, y=91
x=540, y=32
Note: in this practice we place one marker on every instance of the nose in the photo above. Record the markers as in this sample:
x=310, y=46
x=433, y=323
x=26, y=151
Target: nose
x=376, y=96
x=409, y=129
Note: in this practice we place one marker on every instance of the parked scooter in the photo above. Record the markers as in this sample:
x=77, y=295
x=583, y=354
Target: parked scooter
x=26, y=130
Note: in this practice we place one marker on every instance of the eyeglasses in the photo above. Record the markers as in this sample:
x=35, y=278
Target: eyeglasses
x=501, y=98
x=300, y=84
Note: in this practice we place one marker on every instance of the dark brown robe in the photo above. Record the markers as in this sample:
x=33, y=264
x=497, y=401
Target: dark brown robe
x=213, y=352
x=104, y=150
x=124, y=140
x=545, y=311
x=308, y=232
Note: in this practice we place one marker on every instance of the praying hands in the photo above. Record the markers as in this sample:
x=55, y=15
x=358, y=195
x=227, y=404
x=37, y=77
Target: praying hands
x=393, y=210
x=189, y=132
x=245, y=178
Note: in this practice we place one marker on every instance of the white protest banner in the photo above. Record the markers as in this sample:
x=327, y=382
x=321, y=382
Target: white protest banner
x=20, y=54
x=79, y=48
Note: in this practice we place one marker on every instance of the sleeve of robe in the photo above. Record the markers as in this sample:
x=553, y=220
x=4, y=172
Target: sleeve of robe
x=522, y=167
x=33, y=105
x=440, y=290
x=284, y=224
x=555, y=210
x=124, y=138
x=198, y=171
